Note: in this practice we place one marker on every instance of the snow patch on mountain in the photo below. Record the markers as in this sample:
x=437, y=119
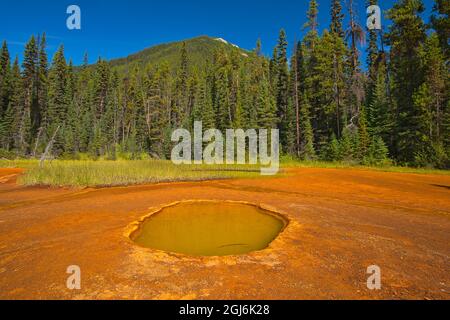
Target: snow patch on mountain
x=222, y=40
x=226, y=42
x=231, y=44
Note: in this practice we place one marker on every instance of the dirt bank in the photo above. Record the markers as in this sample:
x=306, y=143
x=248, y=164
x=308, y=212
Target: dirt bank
x=342, y=221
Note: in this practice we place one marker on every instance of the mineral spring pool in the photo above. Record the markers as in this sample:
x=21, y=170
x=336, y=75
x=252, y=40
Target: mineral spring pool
x=209, y=229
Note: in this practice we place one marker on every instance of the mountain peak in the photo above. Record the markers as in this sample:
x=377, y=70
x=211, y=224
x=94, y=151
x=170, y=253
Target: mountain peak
x=200, y=50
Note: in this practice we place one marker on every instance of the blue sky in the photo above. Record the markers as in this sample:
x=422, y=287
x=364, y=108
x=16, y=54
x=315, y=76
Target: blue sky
x=117, y=28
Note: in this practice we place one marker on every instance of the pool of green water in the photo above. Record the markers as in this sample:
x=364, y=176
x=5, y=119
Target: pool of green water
x=209, y=229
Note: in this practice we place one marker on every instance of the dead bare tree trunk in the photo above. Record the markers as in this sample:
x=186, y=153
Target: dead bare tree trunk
x=353, y=28
x=36, y=144
x=48, y=148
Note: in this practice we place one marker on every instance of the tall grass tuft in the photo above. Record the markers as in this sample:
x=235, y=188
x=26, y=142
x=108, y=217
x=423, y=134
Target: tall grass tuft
x=87, y=173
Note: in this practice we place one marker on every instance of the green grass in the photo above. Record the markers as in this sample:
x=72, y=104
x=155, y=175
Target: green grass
x=24, y=164
x=292, y=163
x=120, y=173
x=103, y=173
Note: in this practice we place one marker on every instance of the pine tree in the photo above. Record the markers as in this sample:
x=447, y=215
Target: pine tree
x=311, y=75
x=282, y=89
x=373, y=62
x=11, y=117
x=83, y=102
x=436, y=80
x=265, y=106
x=207, y=109
x=155, y=112
x=57, y=100
x=42, y=86
x=406, y=36
x=378, y=153
x=273, y=71
x=332, y=151
x=363, y=135
x=312, y=14
x=339, y=81
x=379, y=111
x=306, y=134
x=339, y=53
x=258, y=49
x=221, y=99
x=441, y=23
x=312, y=25
x=6, y=90
x=136, y=121
x=337, y=18
x=28, y=119
x=297, y=90
x=109, y=120
x=346, y=146
x=282, y=74
x=446, y=132
x=249, y=88
x=5, y=69
x=181, y=106
x=430, y=102
x=322, y=90
x=14, y=119
x=70, y=129
x=236, y=108
x=101, y=87
x=307, y=151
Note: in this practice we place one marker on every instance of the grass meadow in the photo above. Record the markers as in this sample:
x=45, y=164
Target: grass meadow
x=104, y=173
x=89, y=173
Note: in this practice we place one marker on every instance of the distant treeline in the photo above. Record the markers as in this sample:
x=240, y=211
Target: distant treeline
x=325, y=106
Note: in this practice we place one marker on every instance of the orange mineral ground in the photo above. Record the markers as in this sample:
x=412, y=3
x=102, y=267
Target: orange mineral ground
x=341, y=222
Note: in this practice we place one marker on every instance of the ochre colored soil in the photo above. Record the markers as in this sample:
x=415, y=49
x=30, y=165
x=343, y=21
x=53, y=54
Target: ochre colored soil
x=341, y=222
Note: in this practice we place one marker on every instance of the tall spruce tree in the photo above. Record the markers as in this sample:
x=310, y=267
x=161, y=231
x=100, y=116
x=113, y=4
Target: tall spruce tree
x=30, y=80
x=265, y=106
x=57, y=100
x=307, y=149
x=441, y=23
x=310, y=54
x=406, y=36
x=181, y=105
x=42, y=85
x=282, y=89
x=380, y=115
x=363, y=135
x=430, y=100
x=373, y=62
x=312, y=36
x=12, y=127
x=5, y=69
x=296, y=90
x=337, y=18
